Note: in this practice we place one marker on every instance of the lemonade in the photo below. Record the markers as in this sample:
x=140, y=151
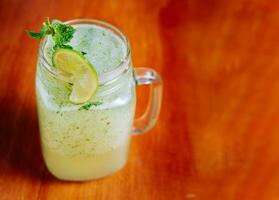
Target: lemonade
x=81, y=142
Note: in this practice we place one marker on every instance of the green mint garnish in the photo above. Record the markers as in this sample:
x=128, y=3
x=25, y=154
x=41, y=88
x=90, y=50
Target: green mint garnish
x=61, y=33
x=88, y=105
x=38, y=35
x=63, y=46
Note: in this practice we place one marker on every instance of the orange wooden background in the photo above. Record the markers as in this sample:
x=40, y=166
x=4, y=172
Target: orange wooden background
x=217, y=137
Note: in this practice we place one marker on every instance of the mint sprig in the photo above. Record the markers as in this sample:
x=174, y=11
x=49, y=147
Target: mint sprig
x=61, y=33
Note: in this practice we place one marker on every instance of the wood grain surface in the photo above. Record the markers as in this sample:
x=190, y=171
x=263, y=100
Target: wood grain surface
x=217, y=137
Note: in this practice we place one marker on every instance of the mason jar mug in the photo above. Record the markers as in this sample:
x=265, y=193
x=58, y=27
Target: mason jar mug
x=90, y=141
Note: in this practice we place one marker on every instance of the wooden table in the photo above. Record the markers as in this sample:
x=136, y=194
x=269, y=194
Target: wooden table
x=217, y=137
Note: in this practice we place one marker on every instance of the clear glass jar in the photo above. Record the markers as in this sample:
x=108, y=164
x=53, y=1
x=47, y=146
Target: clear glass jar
x=84, y=144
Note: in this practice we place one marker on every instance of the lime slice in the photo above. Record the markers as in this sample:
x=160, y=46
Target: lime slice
x=85, y=79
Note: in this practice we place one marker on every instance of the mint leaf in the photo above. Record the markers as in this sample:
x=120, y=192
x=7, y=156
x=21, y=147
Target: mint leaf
x=62, y=33
x=38, y=35
x=64, y=46
x=88, y=105
x=45, y=30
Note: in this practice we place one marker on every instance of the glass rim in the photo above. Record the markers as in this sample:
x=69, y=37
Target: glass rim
x=104, y=78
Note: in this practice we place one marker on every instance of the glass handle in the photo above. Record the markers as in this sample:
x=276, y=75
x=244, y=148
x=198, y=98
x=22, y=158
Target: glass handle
x=147, y=76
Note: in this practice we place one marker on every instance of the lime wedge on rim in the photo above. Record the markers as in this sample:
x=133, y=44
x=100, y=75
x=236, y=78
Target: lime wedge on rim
x=85, y=79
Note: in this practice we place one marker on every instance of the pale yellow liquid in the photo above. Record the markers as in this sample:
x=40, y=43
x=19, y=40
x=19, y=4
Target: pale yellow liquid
x=85, y=167
x=86, y=144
